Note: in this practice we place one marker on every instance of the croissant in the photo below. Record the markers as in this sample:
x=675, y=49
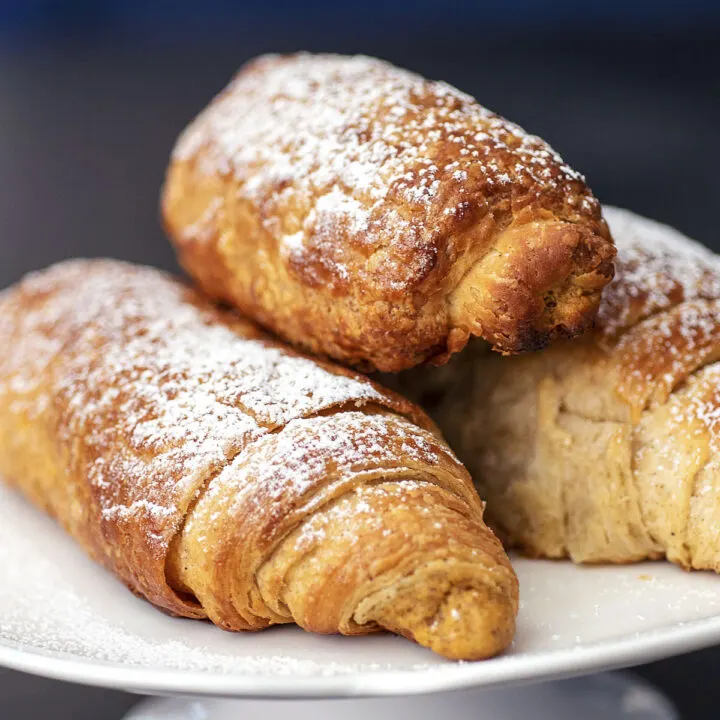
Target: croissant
x=364, y=213
x=219, y=474
x=607, y=448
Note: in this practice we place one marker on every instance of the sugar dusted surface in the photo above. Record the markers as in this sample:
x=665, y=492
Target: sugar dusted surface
x=667, y=291
x=350, y=440
x=656, y=267
x=369, y=127
x=53, y=600
x=330, y=145
x=174, y=392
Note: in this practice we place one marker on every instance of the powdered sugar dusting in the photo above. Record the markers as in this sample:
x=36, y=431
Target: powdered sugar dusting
x=706, y=407
x=363, y=510
x=323, y=142
x=701, y=401
x=162, y=391
x=665, y=349
x=660, y=313
x=656, y=268
x=355, y=124
x=312, y=455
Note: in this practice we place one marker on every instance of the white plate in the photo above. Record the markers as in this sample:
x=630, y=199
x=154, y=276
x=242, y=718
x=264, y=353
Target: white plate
x=62, y=616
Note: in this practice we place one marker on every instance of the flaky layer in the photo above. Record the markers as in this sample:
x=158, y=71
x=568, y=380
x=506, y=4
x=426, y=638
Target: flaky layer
x=219, y=474
x=606, y=449
x=364, y=213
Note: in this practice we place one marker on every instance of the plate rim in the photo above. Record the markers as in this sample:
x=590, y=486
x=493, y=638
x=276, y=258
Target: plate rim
x=509, y=670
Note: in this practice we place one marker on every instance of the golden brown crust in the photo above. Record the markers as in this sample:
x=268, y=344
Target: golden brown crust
x=364, y=213
x=219, y=474
x=606, y=449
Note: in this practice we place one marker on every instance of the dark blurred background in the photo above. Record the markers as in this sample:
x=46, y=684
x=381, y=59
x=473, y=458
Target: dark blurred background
x=93, y=94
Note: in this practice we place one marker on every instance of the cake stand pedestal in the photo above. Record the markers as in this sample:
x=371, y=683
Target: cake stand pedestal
x=606, y=696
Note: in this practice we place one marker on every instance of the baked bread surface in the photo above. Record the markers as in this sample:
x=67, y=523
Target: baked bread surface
x=364, y=213
x=607, y=448
x=219, y=474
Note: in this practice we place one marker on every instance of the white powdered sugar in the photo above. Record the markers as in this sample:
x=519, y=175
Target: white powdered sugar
x=657, y=268
x=327, y=147
x=666, y=301
x=355, y=125
x=293, y=468
x=162, y=392
x=661, y=311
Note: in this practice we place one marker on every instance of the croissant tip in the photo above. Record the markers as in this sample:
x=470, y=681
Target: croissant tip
x=470, y=624
x=470, y=620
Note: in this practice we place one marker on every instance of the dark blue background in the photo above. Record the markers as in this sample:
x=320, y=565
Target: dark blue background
x=23, y=18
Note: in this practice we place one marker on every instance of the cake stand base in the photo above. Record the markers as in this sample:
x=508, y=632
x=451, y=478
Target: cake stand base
x=620, y=696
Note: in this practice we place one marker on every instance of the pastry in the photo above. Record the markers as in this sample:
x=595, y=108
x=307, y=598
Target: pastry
x=606, y=448
x=364, y=213
x=221, y=475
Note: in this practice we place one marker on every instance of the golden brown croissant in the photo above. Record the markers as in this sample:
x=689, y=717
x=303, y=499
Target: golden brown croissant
x=221, y=475
x=607, y=448
x=364, y=213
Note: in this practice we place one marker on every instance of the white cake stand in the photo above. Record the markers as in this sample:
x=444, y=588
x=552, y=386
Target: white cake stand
x=609, y=696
